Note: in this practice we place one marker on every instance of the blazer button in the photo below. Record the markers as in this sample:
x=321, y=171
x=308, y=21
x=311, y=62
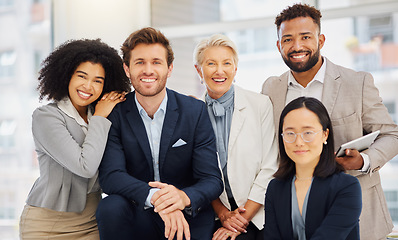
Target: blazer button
x=376, y=169
x=198, y=210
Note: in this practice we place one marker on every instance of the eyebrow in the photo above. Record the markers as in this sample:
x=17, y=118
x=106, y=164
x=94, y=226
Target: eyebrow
x=301, y=34
x=82, y=72
x=305, y=127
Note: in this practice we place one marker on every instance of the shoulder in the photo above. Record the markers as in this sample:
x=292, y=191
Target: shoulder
x=49, y=110
x=253, y=98
x=343, y=180
x=347, y=74
x=184, y=101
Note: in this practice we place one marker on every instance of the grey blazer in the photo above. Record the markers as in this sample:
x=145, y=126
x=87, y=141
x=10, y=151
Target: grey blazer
x=67, y=158
x=355, y=108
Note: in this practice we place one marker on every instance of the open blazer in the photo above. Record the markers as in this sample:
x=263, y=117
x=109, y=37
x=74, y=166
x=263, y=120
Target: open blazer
x=252, y=150
x=67, y=158
x=333, y=209
x=192, y=166
x=355, y=108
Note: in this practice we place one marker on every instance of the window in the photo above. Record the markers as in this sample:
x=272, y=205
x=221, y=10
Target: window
x=7, y=130
x=7, y=64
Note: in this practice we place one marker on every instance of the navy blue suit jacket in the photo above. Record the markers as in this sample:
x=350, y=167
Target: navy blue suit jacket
x=333, y=209
x=127, y=166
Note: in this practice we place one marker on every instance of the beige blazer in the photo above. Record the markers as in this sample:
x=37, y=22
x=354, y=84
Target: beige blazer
x=252, y=150
x=355, y=108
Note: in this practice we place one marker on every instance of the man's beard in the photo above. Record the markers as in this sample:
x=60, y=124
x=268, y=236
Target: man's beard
x=302, y=66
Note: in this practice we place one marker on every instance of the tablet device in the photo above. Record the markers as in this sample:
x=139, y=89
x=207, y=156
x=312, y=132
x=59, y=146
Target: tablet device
x=359, y=144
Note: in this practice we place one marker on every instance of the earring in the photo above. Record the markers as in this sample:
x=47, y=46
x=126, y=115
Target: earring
x=234, y=80
x=326, y=142
x=201, y=81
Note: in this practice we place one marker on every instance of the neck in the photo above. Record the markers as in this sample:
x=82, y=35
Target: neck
x=304, y=173
x=82, y=112
x=303, y=78
x=151, y=103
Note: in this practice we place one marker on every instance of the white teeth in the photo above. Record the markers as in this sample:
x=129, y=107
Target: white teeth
x=300, y=56
x=219, y=79
x=84, y=94
x=148, y=80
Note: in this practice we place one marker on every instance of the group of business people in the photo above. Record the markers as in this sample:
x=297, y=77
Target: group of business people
x=176, y=167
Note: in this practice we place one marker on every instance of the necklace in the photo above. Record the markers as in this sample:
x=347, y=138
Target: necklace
x=303, y=178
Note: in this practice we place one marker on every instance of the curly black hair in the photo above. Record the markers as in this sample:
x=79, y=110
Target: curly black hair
x=58, y=68
x=299, y=10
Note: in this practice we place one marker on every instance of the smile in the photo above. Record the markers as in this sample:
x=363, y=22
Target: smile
x=219, y=79
x=148, y=80
x=83, y=94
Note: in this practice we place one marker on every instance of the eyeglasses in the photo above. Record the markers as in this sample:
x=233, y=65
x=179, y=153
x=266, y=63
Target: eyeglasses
x=307, y=136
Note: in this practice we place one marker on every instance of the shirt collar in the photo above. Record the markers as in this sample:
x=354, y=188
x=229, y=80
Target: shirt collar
x=162, y=107
x=319, y=76
x=67, y=107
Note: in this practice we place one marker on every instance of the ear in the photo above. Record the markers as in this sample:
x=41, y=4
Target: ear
x=126, y=70
x=278, y=45
x=199, y=70
x=170, y=70
x=321, y=41
x=325, y=135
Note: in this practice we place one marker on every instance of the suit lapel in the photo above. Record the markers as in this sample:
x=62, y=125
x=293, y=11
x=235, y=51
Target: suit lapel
x=238, y=117
x=279, y=98
x=331, y=86
x=169, y=125
x=138, y=128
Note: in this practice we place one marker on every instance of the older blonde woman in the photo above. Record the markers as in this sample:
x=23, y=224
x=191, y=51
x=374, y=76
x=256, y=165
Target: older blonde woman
x=244, y=129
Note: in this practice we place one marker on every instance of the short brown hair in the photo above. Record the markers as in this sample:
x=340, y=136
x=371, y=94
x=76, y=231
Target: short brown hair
x=299, y=10
x=146, y=35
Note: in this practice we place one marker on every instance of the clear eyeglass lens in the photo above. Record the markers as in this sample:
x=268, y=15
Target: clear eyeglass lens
x=307, y=136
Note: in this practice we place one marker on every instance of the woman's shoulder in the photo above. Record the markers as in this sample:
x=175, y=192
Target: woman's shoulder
x=344, y=180
x=253, y=98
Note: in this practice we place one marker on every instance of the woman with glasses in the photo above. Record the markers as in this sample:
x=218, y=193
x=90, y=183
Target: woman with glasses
x=310, y=197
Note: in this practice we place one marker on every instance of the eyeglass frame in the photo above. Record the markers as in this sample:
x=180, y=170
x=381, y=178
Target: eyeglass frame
x=301, y=135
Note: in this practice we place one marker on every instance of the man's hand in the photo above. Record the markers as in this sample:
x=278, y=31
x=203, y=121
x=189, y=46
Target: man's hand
x=352, y=160
x=223, y=234
x=175, y=222
x=168, y=198
x=234, y=221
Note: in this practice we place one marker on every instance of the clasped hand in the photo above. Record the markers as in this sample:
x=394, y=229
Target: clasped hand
x=169, y=202
x=234, y=221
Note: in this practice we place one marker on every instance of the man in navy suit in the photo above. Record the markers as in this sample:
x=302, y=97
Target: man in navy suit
x=160, y=167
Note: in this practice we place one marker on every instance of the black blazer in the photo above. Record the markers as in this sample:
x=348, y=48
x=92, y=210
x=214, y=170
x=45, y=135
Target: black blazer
x=127, y=166
x=333, y=209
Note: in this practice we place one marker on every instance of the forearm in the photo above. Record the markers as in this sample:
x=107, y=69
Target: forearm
x=219, y=208
x=251, y=209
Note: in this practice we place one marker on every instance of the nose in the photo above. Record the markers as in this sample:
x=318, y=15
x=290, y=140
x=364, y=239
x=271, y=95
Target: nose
x=296, y=45
x=88, y=84
x=219, y=68
x=148, y=69
x=299, y=140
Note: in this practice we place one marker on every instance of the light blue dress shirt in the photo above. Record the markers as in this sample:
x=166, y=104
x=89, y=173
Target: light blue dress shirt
x=298, y=220
x=153, y=129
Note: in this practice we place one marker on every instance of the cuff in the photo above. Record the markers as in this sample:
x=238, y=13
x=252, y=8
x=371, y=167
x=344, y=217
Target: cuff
x=148, y=203
x=366, y=163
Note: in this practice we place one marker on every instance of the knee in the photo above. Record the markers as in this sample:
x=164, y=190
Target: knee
x=113, y=207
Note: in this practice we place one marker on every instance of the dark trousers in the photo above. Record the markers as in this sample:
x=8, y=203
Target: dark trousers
x=119, y=219
x=252, y=231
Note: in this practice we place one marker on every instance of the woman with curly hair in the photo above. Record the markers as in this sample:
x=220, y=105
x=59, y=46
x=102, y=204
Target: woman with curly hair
x=84, y=80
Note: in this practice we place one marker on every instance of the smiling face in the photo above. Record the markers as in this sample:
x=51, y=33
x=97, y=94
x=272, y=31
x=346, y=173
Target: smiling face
x=86, y=84
x=304, y=154
x=148, y=69
x=218, y=70
x=299, y=43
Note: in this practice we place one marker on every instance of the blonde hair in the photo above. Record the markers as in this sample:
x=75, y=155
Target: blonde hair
x=216, y=40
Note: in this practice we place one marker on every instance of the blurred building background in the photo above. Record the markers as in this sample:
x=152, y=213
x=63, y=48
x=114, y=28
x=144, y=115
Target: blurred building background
x=360, y=34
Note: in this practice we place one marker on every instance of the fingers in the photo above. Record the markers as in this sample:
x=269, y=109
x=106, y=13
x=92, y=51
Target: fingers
x=175, y=225
x=112, y=96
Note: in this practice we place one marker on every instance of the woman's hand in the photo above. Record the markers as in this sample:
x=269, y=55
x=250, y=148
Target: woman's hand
x=105, y=106
x=223, y=234
x=234, y=221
